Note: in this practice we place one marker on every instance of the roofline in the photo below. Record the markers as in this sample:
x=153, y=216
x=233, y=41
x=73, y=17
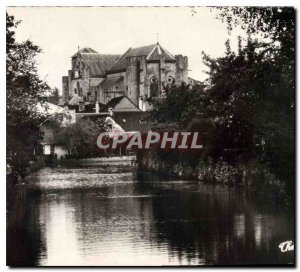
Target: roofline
x=97, y=76
x=155, y=46
x=132, y=102
x=122, y=97
x=92, y=113
x=121, y=58
x=168, y=52
x=121, y=111
x=147, y=61
x=115, y=71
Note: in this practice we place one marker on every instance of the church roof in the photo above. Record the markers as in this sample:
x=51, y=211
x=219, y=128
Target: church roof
x=98, y=63
x=152, y=52
x=84, y=50
x=108, y=82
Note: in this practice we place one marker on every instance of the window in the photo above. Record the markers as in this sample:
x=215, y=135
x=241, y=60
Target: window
x=170, y=79
x=52, y=149
x=79, y=89
x=153, y=80
x=75, y=91
x=81, y=106
x=143, y=121
x=153, y=87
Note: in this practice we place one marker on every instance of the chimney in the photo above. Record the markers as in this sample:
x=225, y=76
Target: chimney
x=97, y=107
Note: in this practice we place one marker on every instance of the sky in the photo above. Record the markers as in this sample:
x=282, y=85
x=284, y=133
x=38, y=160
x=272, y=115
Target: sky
x=112, y=30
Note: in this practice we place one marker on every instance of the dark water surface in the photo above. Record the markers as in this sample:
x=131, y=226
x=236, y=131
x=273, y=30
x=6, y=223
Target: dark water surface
x=101, y=216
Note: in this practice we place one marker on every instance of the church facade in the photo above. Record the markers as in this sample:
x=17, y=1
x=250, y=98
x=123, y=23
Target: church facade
x=139, y=73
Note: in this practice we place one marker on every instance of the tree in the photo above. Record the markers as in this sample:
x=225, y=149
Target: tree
x=273, y=80
x=246, y=102
x=184, y=108
x=80, y=138
x=54, y=96
x=24, y=90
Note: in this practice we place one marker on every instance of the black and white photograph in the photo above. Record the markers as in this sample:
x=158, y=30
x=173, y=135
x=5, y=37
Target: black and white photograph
x=150, y=136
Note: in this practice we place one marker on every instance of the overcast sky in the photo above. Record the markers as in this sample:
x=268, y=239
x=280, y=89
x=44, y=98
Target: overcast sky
x=59, y=32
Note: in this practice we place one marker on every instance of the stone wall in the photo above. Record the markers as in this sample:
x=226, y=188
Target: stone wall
x=132, y=78
x=115, y=90
x=65, y=88
x=94, y=90
x=181, y=69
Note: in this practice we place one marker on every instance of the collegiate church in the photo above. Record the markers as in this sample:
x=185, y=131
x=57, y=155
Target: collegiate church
x=138, y=74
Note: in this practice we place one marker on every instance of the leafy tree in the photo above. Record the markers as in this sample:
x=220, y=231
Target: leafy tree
x=80, y=138
x=182, y=104
x=24, y=90
x=274, y=24
x=273, y=80
x=184, y=108
x=54, y=96
x=245, y=103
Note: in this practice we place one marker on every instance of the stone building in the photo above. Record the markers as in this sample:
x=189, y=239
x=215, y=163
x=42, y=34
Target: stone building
x=87, y=72
x=139, y=73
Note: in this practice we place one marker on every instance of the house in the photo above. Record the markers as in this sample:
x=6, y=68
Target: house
x=51, y=148
x=120, y=103
x=55, y=113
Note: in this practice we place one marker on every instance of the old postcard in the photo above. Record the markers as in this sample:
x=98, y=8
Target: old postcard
x=150, y=136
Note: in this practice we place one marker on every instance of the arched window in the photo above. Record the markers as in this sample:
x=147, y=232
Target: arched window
x=153, y=87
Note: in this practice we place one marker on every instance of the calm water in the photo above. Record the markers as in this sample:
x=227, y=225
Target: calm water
x=99, y=216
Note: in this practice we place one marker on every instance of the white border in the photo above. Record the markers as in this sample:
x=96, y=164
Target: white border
x=5, y=3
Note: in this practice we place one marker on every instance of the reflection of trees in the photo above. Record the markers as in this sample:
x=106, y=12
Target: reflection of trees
x=24, y=241
x=107, y=214
x=194, y=223
x=216, y=227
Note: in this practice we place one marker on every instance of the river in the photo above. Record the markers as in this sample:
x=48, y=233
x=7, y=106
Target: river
x=102, y=216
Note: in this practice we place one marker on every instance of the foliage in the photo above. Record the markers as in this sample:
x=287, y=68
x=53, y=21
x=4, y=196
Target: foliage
x=273, y=76
x=53, y=97
x=80, y=138
x=247, y=108
x=276, y=24
x=24, y=90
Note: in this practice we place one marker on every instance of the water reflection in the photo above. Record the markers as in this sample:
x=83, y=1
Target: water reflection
x=96, y=216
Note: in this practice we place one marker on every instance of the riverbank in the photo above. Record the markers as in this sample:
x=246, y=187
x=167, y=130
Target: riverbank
x=101, y=161
x=250, y=174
